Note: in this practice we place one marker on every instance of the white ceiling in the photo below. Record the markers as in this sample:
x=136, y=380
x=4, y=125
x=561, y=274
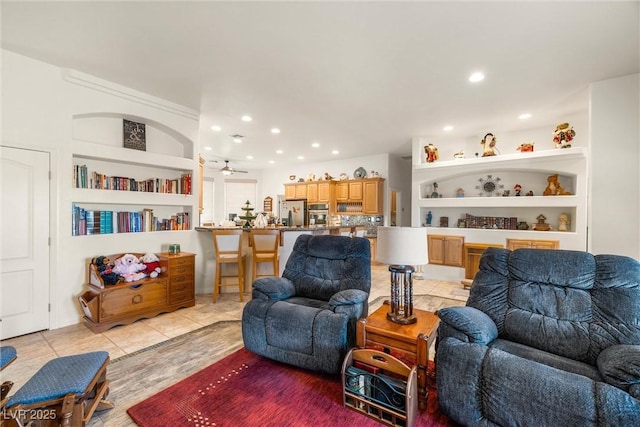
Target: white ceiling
x=359, y=77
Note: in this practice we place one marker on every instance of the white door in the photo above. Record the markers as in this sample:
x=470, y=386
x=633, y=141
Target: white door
x=24, y=241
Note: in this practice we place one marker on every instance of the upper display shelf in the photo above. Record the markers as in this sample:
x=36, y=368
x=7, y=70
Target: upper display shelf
x=544, y=155
x=89, y=150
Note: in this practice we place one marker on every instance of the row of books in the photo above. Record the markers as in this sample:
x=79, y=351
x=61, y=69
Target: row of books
x=495, y=222
x=87, y=222
x=82, y=178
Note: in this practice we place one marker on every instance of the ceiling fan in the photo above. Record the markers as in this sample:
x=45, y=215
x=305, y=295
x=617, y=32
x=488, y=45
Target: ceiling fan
x=228, y=170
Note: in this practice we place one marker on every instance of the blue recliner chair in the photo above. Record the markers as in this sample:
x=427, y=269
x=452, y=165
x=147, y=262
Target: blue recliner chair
x=307, y=317
x=547, y=338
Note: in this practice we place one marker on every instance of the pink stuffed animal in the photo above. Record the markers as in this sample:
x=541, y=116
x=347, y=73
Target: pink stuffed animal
x=151, y=265
x=129, y=267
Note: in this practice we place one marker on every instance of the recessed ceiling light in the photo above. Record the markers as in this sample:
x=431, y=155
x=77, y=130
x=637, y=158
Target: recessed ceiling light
x=216, y=128
x=279, y=151
x=246, y=118
x=315, y=145
x=300, y=157
x=275, y=130
x=447, y=128
x=524, y=116
x=237, y=140
x=272, y=161
x=208, y=148
x=250, y=157
x=476, y=77
x=335, y=152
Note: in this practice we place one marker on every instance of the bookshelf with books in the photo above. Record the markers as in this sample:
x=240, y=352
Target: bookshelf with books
x=120, y=190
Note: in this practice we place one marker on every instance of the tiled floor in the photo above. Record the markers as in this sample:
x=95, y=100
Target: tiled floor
x=36, y=349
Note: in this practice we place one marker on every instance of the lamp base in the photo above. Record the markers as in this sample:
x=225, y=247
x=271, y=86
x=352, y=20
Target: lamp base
x=401, y=303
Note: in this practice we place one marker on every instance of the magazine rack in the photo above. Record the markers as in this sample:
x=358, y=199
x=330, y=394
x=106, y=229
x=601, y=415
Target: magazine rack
x=380, y=386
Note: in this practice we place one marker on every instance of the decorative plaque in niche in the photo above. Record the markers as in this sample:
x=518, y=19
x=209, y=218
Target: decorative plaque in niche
x=134, y=135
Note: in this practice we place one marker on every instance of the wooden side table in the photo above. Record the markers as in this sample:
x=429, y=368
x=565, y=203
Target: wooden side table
x=413, y=340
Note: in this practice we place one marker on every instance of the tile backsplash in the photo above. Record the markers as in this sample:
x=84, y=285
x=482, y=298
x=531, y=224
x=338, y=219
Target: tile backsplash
x=370, y=222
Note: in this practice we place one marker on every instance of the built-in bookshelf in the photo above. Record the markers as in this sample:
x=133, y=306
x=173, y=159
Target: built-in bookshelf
x=490, y=199
x=120, y=190
x=88, y=222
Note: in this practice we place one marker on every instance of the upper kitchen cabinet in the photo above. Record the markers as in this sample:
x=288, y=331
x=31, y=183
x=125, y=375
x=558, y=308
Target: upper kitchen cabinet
x=295, y=191
x=360, y=197
x=320, y=191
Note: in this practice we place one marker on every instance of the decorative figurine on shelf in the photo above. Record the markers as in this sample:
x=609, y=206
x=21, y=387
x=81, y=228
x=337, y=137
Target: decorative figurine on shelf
x=517, y=188
x=488, y=145
x=429, y=218
x=248, y=217
x=564, y=221
x=311, y=177
x=327, y=177
x=541, y=225
x=563, y=135
x=434, y=193
x=526, y=147
x=344, y=176
x=554, y=188
x=522, y=225
x=506, y=193
x=444, y=221
x=529, y=193
x=459, y=155
x=431, y=153
x=459, y=192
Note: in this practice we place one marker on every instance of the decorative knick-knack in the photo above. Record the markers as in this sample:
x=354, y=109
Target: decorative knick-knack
x=431, y=153
x=564, y=220
x=563, y=135
x=488, y=145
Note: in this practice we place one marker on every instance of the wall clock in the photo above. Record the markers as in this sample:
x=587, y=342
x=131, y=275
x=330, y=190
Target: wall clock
x=134, y=135
x=490, y=186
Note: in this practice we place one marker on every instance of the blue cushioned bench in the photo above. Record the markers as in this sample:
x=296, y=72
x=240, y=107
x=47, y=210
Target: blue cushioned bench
x=72, y=386
x=7, y=355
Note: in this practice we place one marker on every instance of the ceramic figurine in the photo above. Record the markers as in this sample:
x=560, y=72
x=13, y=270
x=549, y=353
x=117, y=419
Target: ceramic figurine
x=541, y=225
x=517, y=188
x=526, y=147
x=431, y=153
x=563, y=135
x=554, y=188
x=564, y=221
x=488, y=145
x=459, y=155
x=429, y=218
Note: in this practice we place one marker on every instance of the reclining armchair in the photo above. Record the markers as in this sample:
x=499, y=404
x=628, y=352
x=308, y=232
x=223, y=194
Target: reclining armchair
x=307, y=317
x=547, y=338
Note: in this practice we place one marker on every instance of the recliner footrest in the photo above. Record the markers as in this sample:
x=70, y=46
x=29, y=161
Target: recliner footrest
x=59, y=377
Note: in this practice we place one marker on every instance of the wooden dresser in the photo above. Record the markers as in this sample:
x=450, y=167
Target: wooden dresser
x=107, y=306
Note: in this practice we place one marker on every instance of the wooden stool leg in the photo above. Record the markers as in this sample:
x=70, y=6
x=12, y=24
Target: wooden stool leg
x=241, y=278
x=216, y=281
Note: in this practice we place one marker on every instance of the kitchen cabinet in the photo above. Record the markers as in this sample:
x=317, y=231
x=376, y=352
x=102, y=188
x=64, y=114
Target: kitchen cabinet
x=295, y=191
x=513, y=244
x=372, y=197
x=312, y=192
x=342, y=191
x=445, y=250
x=325, y=192
x=359, y=197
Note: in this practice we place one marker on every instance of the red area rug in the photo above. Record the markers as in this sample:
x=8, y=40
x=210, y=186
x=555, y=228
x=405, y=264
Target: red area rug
x=245, y=389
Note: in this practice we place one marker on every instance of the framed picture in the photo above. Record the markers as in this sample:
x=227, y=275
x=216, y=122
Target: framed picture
x=134, y=135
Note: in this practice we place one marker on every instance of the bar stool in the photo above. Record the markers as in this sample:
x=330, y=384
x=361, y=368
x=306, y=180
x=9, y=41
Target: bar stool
x=228, y=247
x=265, y=245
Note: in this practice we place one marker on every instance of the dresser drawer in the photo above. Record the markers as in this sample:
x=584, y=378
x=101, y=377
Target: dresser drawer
x=181, y=285
x=183, y=261
x=129, y=299
x=181, y=270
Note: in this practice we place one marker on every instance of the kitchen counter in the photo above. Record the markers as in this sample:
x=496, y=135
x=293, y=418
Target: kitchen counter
x=319, y=229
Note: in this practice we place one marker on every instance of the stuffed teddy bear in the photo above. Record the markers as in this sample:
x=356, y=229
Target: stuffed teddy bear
x=129, y=267
x=151, y=265
x=103, y=265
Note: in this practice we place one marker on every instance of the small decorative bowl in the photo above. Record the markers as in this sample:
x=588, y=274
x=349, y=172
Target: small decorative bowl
x=292, y=177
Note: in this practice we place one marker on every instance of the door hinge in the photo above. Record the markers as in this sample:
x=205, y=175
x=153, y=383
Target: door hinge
x=49, y=175
x=49, y=308
x=49, y=241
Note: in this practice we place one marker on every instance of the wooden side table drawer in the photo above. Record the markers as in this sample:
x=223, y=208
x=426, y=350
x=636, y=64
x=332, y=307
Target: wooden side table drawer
x=127, y=299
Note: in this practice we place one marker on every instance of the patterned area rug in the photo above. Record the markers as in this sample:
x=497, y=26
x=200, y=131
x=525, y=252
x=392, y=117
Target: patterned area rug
x=244, y=389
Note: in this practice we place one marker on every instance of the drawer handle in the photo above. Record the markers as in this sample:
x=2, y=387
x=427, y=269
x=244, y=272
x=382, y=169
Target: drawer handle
x=139, y=285
x=137, y=299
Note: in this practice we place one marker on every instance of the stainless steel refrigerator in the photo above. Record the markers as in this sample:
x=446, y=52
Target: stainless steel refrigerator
x=293, y=213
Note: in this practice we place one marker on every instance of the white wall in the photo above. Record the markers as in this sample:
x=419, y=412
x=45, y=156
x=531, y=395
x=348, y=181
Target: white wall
x=614, y=217
x=39, y=102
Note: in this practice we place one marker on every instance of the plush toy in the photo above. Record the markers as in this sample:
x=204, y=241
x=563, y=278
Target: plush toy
x=151, y=265
x=103, y=265
x=431, y=153
x=129, y=267
x=554, y=188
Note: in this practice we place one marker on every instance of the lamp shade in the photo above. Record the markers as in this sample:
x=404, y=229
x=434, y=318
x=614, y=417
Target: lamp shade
x=402, y=245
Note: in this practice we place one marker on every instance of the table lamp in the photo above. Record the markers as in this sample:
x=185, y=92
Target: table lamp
x=402, y=248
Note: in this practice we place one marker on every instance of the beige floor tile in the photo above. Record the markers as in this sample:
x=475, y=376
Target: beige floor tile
x=134, y=337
